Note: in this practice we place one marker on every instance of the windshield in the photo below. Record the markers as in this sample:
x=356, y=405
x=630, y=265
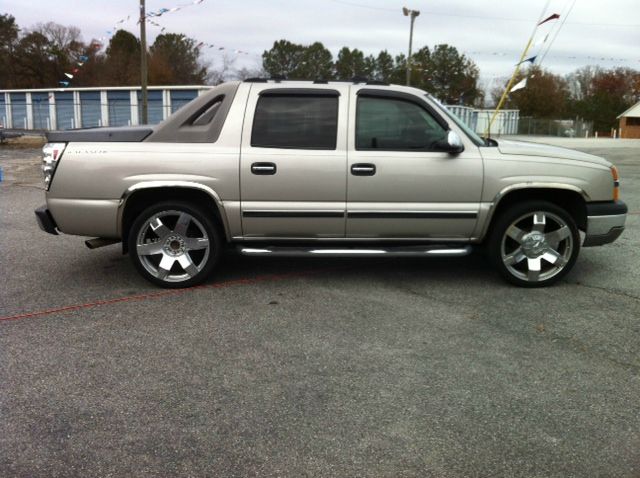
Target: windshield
x=469, y=132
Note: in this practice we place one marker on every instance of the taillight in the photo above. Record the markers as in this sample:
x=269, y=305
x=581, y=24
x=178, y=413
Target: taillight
x=616, y=183
x=51, y=153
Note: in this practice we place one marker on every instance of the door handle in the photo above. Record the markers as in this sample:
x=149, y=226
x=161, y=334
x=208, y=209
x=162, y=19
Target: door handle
x=363, y=169
x=263, y=169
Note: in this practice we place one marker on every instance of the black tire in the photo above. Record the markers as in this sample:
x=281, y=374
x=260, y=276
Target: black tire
x=534, y=235
x=189, y=244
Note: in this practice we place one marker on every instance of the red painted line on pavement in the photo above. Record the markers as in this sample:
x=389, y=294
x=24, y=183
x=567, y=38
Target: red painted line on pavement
x=165, y=293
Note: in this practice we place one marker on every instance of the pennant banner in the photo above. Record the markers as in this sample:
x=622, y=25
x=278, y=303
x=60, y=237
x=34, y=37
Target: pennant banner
x=202, y=45
x=531, y=59
x=177, y=8
x=520, y=85
x=97, y=45
x=555, y=16
x=564, y=57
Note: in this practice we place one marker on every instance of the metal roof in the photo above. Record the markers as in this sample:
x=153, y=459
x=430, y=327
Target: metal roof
x=633, y=112
x=109, y=88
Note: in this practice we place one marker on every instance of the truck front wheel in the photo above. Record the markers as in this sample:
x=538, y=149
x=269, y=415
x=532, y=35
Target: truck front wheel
x=534, y=244
x=174, y=244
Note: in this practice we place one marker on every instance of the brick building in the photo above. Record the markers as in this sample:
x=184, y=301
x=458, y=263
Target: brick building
x=630, y=122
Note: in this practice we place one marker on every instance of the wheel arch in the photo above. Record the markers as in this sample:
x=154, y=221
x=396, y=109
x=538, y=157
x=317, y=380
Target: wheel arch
x=569, y=197
x=142, y=195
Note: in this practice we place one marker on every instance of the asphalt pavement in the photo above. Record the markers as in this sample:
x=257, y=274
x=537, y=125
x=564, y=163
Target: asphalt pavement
x=300, y=367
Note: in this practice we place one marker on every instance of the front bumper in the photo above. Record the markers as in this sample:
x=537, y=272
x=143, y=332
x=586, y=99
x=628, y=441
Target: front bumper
x=605, y=222
x=46, y=221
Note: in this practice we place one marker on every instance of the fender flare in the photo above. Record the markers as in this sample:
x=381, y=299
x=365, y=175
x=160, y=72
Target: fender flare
x=528, y=185
x=171, y=184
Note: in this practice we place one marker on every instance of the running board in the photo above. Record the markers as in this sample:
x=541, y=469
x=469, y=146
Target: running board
x=411, y=251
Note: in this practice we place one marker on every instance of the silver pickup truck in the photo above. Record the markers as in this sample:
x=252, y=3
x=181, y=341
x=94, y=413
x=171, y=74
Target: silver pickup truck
x=291, y=168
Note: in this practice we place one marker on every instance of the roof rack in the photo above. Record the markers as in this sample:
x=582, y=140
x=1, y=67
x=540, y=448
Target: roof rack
x=321, y=81
x=265, y=80
x=377, y=82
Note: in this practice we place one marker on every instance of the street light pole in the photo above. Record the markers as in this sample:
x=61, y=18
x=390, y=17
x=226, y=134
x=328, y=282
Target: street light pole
x=143, y=61
x=412, y=14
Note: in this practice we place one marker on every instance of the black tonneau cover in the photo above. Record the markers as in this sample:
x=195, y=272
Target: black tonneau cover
x=122, y=134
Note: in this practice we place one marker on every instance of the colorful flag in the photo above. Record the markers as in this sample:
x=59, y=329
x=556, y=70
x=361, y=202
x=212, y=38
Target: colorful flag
x=518, y=86
x=531, y=59
x=555, y=16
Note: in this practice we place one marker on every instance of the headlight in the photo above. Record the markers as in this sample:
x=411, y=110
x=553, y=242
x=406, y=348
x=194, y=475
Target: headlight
x=51, y=153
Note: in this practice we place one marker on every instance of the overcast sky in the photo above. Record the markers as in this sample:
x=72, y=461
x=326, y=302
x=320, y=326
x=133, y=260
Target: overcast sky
x=491, y=32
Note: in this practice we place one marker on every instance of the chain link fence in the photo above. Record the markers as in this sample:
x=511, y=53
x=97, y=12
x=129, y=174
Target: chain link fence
x=575, y=128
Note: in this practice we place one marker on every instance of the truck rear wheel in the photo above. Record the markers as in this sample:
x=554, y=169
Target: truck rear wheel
x=174, y=244
x=534, y=244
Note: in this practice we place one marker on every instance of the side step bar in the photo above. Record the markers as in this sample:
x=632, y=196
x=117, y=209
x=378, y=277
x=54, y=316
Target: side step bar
x=400, y=251
x=100, y=242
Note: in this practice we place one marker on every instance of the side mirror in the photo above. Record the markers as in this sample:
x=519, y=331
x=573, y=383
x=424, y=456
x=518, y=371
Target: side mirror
x=452, y=144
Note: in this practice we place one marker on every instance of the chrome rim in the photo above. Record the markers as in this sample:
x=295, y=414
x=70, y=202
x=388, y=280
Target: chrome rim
x=173, y=246
x=537, y=246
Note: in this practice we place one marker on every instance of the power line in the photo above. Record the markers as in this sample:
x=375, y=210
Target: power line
x=482, y=17
x=369, y=7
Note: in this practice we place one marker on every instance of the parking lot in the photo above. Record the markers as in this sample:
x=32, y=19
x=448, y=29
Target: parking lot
x=314, y=367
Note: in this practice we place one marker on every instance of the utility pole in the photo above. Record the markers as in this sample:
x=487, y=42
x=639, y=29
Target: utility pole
x=412, y=14
x=143, y=61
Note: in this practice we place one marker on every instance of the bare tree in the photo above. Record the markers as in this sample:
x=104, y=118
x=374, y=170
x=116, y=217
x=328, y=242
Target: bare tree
x=66, y=39
x=244, y=73
x=219, y=73
x=581, y=81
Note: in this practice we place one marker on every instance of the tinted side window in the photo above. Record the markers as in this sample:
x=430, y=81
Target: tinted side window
x=395, y=125
x=303, y=122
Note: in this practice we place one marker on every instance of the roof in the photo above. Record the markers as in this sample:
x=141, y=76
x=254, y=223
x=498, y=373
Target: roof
x=108, y=88
x=633, y=112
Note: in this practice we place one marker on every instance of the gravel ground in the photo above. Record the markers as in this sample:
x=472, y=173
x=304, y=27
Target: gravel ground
x=315, y=367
